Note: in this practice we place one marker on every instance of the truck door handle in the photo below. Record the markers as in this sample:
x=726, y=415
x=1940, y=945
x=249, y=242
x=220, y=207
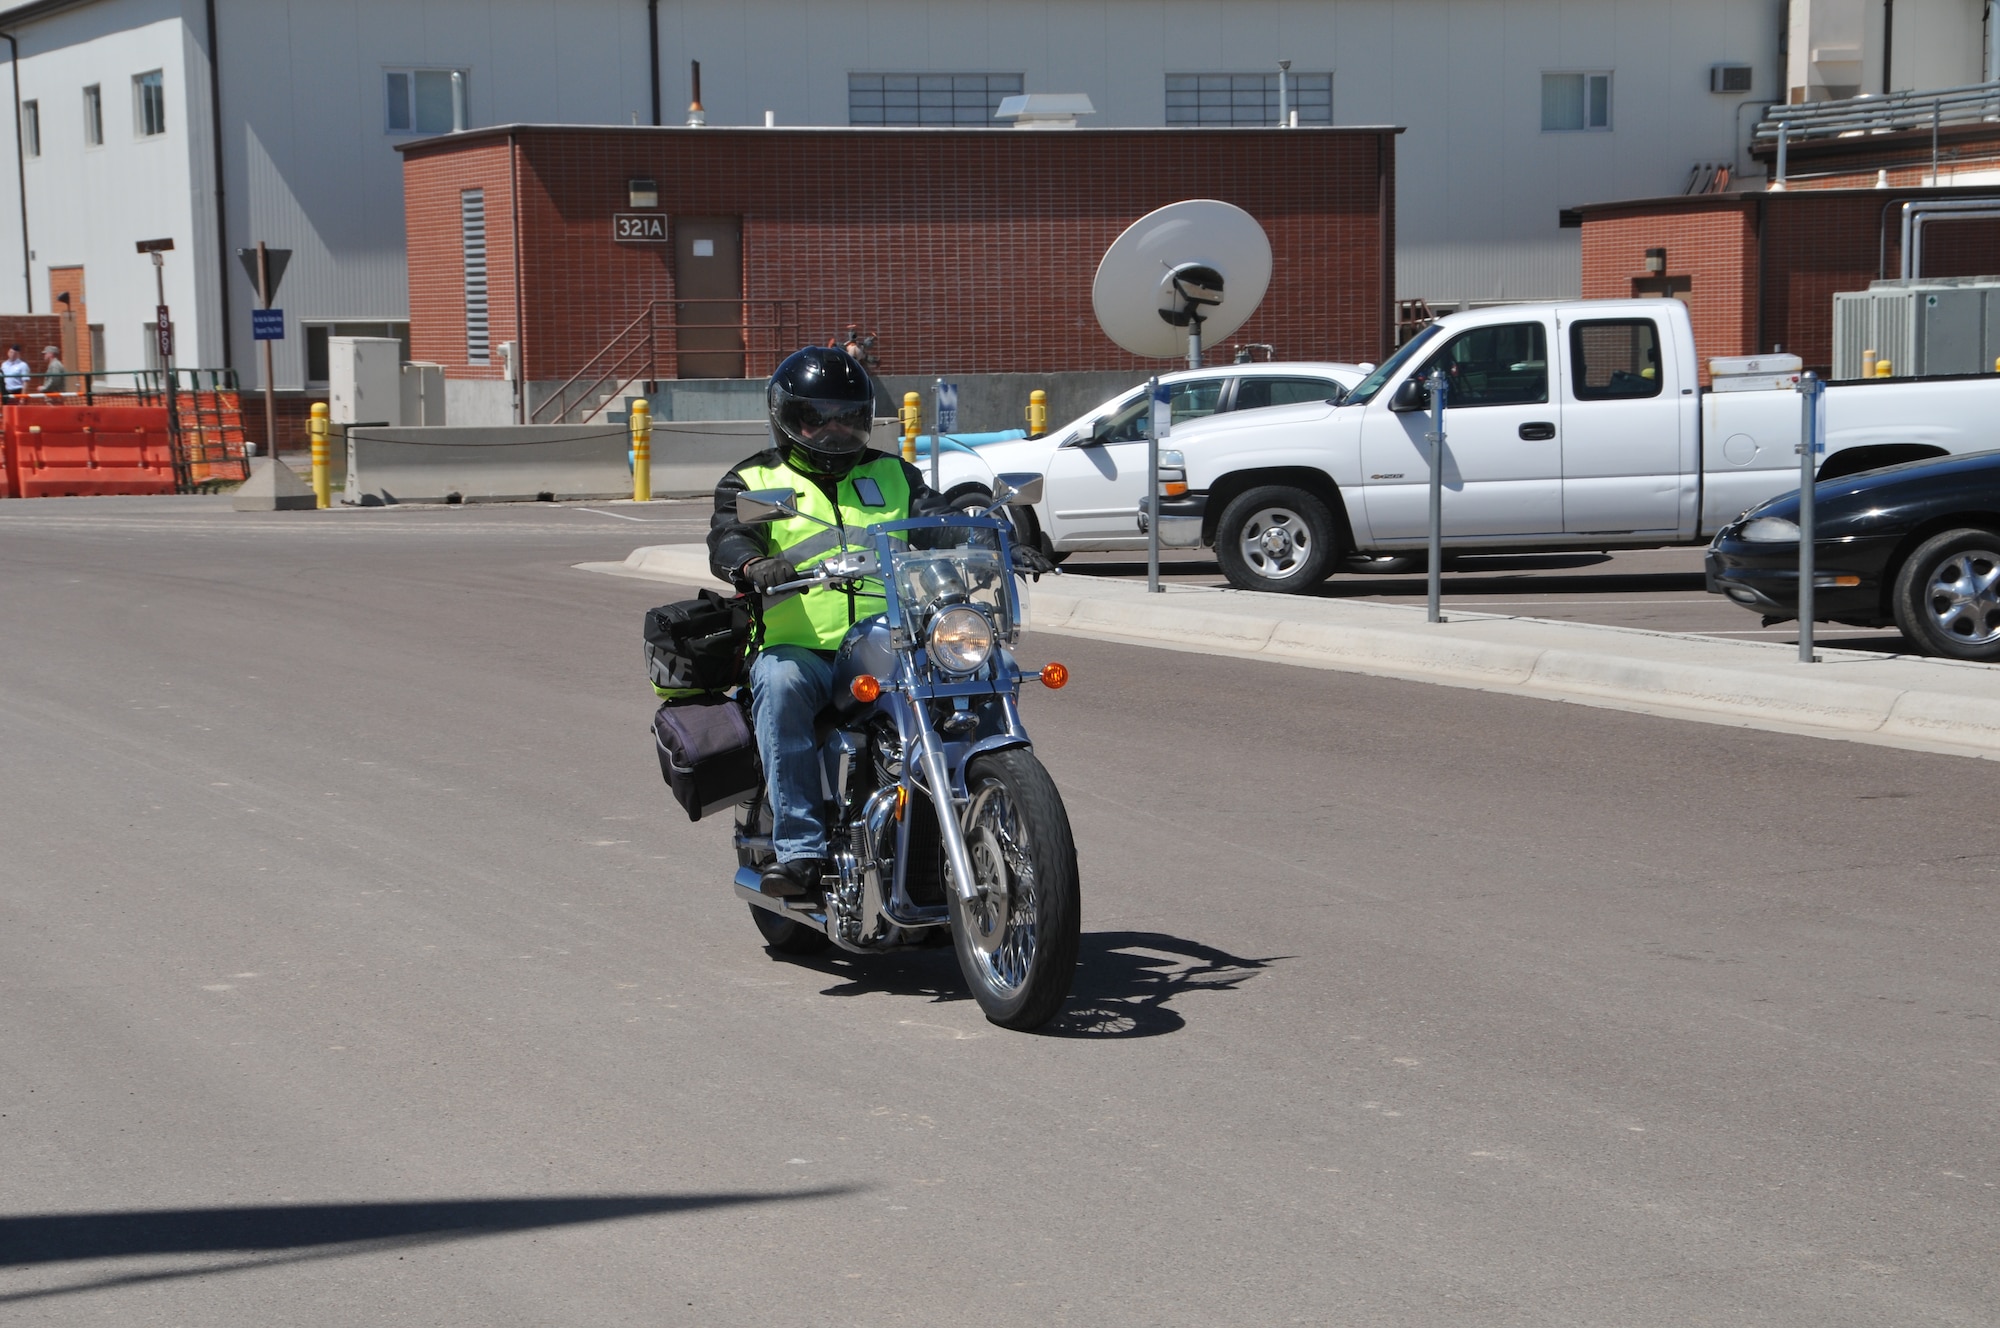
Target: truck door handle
x=1536, y=431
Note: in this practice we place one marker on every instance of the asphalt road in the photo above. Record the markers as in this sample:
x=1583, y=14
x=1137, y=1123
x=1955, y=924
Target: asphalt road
x=355, y=968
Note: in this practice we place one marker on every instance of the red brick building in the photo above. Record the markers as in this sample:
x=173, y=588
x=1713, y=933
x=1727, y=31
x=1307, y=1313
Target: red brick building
x=1760, y=270
x=964, y=250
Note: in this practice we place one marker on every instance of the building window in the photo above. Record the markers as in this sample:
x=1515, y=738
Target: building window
x=1576, y=101
x=928, y=99
x=97, y=360
x=93, y=116
x=319, y=357
x=31, y=128
x=472, y=235
x=426, y=101
x=149, y=105
x=1247, y=99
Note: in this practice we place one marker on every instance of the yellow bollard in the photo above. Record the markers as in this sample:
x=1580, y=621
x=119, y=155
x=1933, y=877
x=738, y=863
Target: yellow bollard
x=1869, y=359
x=1884, y=369
x=1038, y=413
x=642, y=452
x=913, y=416
x=322, y=484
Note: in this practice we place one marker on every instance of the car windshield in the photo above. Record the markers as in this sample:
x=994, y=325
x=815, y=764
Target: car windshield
x=1365, y=390
x=961, y=564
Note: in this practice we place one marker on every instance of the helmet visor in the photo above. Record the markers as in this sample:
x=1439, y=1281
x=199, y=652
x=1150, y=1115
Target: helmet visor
x=826, y=425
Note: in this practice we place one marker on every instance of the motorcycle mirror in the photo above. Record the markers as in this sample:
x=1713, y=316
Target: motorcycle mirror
x=754, y=507
x=1017, y=489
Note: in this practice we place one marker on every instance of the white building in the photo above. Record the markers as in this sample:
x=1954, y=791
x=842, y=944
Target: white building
x=1513, y=108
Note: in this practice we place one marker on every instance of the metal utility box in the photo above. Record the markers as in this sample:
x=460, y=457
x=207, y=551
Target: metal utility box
x=423, y=395
x=364, y=379
x=1922, y=329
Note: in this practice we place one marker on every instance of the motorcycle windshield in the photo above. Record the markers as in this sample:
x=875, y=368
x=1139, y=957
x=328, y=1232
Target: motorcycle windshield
x=959, y=564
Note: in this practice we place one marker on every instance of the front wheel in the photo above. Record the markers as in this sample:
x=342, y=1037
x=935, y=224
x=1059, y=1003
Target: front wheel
x=1017, y=941
x=1947, y=595
x=1275, y=538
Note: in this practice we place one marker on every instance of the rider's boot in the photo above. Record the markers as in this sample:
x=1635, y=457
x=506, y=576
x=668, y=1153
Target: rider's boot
x=790, y=880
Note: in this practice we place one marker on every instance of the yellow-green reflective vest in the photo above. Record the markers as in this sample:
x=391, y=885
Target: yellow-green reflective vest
x=876, y=490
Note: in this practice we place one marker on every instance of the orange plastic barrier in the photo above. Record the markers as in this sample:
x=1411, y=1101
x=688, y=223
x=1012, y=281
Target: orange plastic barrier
x=69, y=451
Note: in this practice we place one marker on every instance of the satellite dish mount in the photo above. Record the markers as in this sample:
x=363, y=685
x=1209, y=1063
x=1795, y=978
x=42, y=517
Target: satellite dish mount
x=1186, y=291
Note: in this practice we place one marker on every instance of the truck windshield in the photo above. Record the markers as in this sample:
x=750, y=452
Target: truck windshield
x=1365, y=390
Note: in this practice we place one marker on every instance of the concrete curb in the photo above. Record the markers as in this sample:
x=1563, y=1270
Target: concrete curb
x=1903, y=701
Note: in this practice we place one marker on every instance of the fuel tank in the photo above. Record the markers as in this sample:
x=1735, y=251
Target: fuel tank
x=866, y=650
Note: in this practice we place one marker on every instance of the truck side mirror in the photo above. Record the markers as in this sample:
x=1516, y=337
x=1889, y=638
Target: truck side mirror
x=1410, y=395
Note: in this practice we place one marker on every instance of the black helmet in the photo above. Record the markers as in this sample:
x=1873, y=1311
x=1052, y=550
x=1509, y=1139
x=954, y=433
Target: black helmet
x=822, y=405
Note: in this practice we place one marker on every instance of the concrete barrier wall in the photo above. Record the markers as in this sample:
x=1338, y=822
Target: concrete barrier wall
x=471, y=464
x=520, y=463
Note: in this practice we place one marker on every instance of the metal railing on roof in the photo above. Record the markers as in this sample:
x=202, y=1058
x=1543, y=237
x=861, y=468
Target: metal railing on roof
x=1883, y=114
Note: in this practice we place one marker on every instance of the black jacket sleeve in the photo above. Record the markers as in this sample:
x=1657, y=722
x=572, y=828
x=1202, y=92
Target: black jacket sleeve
x=732, y=543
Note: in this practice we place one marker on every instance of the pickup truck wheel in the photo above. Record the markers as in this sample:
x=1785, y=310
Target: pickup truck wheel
x=1275, y=539
x=1947, y=595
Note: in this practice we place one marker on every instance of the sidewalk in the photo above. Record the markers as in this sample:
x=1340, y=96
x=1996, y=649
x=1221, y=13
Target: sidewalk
x=1893, y=700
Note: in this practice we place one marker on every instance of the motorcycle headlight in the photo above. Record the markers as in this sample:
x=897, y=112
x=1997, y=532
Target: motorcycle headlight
x=960, y=640
x=1769, y=530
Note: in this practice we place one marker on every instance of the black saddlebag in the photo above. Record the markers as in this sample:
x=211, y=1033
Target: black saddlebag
x=708, y=755
x=697, y=647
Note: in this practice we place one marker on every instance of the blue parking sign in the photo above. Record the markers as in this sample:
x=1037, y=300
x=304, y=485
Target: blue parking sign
x=267, y=324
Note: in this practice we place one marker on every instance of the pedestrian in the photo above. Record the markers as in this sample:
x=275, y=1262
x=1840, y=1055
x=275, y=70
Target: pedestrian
x=14, y=372
x=53, y=373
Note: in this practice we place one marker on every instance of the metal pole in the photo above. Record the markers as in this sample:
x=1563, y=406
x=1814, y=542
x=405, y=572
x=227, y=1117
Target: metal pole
x=1157, y=421
x=270, y=399
x=937, y=429
x=1283, y=65
x=1194, y=337
x=1937, y=114
x=1783, y=138
x=1436, y=439
x=1812, y=404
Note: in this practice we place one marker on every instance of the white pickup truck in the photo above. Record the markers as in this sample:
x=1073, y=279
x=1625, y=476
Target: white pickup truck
x=1575, y=425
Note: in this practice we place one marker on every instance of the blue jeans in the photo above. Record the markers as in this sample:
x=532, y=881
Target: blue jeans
x=788, y=686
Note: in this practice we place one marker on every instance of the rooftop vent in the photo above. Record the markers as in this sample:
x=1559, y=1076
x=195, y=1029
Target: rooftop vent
x=1045, y=110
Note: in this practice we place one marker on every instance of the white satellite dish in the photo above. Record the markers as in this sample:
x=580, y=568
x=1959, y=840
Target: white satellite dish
x=1182, y=278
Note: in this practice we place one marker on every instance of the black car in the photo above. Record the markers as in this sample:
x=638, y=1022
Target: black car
x=1916, y=545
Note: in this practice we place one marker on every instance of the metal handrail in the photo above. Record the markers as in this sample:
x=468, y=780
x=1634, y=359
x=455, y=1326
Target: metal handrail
x=1880, y=114
x=561, y=400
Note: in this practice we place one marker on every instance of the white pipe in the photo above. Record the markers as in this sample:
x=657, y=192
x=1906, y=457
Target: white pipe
x=1992, y=40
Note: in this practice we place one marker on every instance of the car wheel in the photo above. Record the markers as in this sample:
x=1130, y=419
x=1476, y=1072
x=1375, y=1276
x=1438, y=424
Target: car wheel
x=1947, y=595
x=970, y=498
x=1277, y=539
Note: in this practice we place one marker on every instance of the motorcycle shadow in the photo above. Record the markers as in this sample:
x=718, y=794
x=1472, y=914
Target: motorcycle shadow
x=1126, y=981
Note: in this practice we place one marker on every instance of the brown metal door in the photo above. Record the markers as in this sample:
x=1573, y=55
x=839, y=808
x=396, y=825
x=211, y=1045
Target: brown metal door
x=708, y=284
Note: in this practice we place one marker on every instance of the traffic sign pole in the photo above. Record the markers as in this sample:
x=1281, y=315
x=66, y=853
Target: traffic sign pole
x=270, y=398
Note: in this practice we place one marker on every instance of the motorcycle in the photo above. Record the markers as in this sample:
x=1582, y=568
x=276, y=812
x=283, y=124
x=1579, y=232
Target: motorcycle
x=942, y=825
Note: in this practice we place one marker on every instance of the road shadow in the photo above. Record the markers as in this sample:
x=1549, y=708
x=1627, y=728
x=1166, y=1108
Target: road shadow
x=1125, y=981
x=291, y=1233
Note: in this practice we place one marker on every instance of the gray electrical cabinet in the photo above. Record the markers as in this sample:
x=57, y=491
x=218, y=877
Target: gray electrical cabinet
x=1926, y=328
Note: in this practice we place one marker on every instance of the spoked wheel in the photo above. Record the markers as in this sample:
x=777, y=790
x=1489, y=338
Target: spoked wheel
x=782, y=934
x=1017, y=941
x=1947, y=596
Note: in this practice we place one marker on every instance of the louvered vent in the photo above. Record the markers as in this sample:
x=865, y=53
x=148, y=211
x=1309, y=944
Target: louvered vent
x=472, y=223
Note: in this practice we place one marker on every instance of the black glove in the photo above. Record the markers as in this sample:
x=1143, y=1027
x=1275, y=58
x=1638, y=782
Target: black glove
x=763, y=574
x=1031, y=562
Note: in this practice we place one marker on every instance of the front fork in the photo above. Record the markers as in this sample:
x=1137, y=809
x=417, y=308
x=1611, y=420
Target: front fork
x=937, y=774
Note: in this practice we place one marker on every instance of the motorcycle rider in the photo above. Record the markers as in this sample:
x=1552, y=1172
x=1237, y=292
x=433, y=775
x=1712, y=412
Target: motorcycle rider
x=821, y=405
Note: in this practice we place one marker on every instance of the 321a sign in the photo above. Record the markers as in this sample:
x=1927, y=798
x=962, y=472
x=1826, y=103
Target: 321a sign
x=639, y=227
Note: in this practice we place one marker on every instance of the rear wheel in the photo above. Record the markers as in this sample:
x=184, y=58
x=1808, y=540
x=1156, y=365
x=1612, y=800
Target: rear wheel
x=1276, y=538
x=1017, y=941
x=782, y=934
x=1947, y=595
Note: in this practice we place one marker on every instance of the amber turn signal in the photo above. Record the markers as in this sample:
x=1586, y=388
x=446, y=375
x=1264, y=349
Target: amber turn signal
x=866, y=687
x=1054, y=675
